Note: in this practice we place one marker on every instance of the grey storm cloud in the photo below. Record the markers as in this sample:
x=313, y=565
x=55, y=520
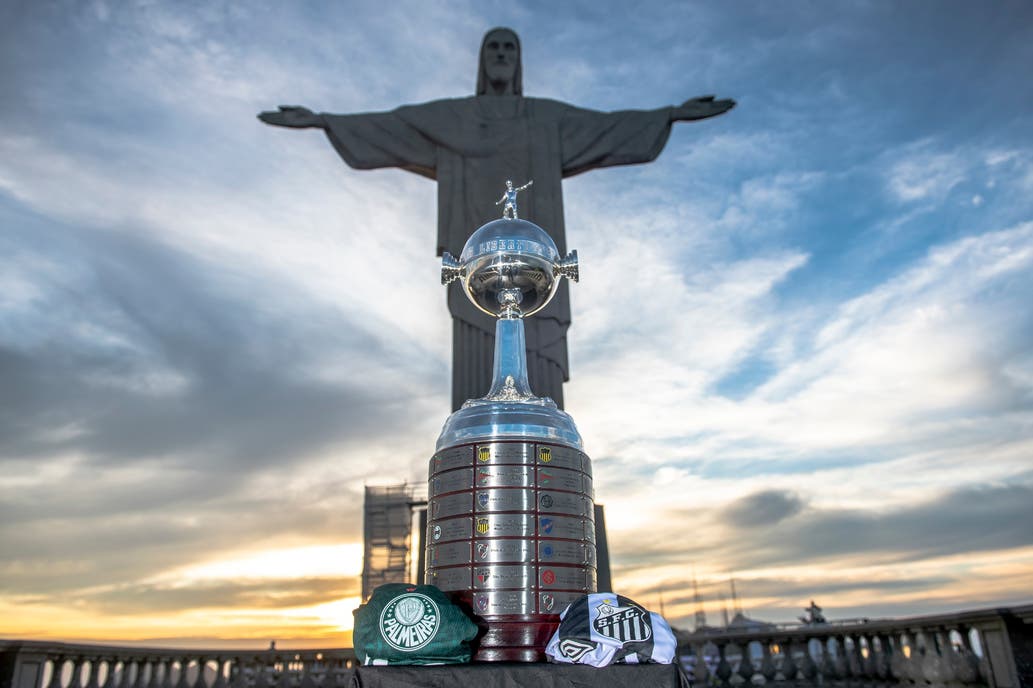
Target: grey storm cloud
x=136, y=316
x=763, y=508
x=971, y=519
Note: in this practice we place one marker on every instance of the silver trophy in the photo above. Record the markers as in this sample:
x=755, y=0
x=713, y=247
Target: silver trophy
x=510, y=530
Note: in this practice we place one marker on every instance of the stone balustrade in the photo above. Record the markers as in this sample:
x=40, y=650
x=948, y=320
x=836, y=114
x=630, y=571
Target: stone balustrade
x=988, y=648
x=30, y=664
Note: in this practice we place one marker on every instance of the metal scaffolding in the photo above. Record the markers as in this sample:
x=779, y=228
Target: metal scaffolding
x=387, y=539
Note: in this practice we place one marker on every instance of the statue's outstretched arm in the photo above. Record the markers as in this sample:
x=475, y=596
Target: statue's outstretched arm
x=701, y=108
x=292, y=116
x=526, y=185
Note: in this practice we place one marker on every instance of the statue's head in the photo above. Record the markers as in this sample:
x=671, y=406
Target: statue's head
x=509, y=185
x=499, y=72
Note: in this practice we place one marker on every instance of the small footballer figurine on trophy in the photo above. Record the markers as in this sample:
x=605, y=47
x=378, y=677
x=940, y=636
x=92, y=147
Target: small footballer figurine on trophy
x=510, y=513
x=509, y=196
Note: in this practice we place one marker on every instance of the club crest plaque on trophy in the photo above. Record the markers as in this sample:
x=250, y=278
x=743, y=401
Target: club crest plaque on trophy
x=511, y=507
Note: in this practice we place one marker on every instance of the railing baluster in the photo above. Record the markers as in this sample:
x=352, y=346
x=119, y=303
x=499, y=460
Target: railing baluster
x=839, y=659
x=337, y=675
x=116, y=674
x=58, y=662
x=167, y=669
x=261, y=680
x=880, y=658
x=863, y=658
x=77, y=669
x=202, y=669
x=153, y=673
x=96, y=668
x=724, y=669
x=900, y=662
x=826, y=663
x=767, y=664
x=788, y=668
x=285, y=675
x=808, y=674
x=306, y=680
x=856, y=660
x=941, y=664
x=700, y=671
x=746, y=669
x=966, y=664
x=181, y=675
x=240, y=672
x=128, y=674
x=219, y=680
x=928, y=657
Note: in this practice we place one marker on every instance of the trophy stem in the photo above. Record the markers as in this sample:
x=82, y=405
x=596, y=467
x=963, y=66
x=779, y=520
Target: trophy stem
x=509, y=371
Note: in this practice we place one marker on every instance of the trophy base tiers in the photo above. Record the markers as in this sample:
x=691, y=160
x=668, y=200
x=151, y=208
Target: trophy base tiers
x=511, y=538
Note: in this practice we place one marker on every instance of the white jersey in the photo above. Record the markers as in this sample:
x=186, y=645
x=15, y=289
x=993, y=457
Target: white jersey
x=604, y=628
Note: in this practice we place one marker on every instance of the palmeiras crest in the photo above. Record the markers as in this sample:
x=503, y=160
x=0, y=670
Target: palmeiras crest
x=409, y=622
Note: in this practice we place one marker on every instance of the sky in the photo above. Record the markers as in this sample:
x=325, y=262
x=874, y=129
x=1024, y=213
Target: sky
x=802, y=350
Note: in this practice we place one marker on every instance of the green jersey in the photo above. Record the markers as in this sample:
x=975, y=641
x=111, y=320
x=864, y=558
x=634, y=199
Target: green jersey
x=412, y=624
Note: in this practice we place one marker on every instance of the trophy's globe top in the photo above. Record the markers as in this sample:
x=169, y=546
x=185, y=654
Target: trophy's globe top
x=510, y=268
x=519, y=236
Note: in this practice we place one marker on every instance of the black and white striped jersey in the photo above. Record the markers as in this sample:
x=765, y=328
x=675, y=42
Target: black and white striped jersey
x=604, y=628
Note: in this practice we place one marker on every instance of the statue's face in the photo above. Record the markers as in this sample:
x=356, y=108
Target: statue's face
x=501, y=56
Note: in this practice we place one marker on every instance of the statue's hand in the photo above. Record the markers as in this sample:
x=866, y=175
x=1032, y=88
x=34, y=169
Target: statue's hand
x=292, y=116
x=701, y=108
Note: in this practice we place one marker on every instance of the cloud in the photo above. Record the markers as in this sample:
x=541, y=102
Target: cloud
x=985, y=517
x=158, y=352
x=923, y=175
x=284, y=593
x=763, y=509
x=774, y=529
x=899, y=365
x=892, y=363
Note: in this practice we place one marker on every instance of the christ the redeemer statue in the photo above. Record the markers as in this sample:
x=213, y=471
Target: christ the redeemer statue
x=471, y=146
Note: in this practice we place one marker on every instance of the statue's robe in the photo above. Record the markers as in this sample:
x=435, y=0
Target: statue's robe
x=471, y=146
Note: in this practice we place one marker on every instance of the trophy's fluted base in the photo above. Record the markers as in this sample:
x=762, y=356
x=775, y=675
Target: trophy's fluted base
x=516, y=639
